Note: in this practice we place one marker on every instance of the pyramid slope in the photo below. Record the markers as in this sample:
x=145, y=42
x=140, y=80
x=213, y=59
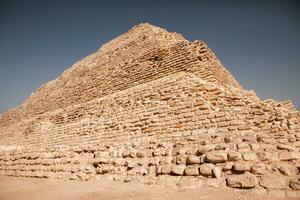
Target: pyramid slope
x=150, y=103
x=142, y=54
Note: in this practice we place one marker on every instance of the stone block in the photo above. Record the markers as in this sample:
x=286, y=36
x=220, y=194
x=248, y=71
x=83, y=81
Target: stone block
x=270, y=181
x=216, y=157
x=178, y=169
x=192, y=159
x=234, y=156
x=241, y=166
x=243, y=181
x=294, y=183
x=206, y=169
x=191, y=170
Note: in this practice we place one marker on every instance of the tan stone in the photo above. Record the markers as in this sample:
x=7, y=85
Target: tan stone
x=243, y=181
x=192, y=159
x=273, y=182
x=191, y=170
x=178, y=169
x=206, y=169
x=295, y=183
x=216, y=157
x=241, y=166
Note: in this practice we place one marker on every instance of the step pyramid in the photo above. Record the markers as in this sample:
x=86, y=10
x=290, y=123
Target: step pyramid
x=152, y=104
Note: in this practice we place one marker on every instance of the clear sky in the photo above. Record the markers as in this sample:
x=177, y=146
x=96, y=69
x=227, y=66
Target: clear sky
x=258, y=41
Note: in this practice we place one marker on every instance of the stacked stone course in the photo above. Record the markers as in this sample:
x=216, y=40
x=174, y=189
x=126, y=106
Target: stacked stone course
x=151, y=104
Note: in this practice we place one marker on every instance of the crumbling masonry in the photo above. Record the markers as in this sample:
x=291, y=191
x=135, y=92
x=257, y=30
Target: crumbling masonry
x=151, y=104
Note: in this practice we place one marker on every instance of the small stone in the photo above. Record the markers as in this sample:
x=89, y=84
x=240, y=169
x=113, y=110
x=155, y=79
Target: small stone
x=166, y=169
x=284, y=169
x=286, y=155
x=216, y=157
x=295, y=183
x=258, y=168
x=250, y=156
x=268, y=156
x=178, y=169
x=191, y=171
x=181, y=159
x=205, y=148
x=243, y=181
x=243, y=146
x=140, y=154
x=234, y=156
x=130, y=164
x=101, y=154
x=217, y=172
x=241, y=166
x=269, y=181
x=206, y=169
x=119, y=162
x=228, y=166
x=255, y=146
x=192, y=159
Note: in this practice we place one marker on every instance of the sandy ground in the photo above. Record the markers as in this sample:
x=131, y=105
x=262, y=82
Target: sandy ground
x=48, y=189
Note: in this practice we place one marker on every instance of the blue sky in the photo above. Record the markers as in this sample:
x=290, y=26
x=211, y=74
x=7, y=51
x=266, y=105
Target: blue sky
x=258, y=41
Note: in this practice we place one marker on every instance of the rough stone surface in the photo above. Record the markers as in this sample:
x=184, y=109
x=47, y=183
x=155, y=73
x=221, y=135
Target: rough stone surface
x=243, y=181
x=178, y=169
x=295, y=183
x=216, y=157
x=206, y=169
x=273, y=182
x=191, y=171
x=146, y=105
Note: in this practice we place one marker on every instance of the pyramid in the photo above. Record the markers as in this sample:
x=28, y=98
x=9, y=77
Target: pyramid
x=151, y=104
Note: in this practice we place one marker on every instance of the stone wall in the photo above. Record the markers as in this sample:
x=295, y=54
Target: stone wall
x=170, y=110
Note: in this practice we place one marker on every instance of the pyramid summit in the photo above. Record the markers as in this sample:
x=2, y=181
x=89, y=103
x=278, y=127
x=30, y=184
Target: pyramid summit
x=150, y=103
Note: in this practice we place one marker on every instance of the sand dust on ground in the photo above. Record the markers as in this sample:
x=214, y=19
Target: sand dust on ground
x=13, y=188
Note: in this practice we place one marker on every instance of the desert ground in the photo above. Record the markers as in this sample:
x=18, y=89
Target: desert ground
x=12, y=188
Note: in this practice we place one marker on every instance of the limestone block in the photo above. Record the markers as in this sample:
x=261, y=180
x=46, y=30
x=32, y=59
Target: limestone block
x=191, y=170
x=178, y=169
x=206, y=148
x=217, y=172
x=234, y=156
x=286, y=155
x=242, y=181
x=241, y=166
x=294, y=183
x=258, y=168
x=140, y=154
x=192, y=159
x=268, y=156
x=270, y=181
x=216, y=157
x=181, y=159
x=166, y=169
x=206, y=169
x=250, y=156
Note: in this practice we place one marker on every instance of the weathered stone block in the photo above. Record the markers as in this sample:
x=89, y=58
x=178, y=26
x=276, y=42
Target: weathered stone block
x=294, y=183
x=205, y=169
x=243, y=181
x=191, y=170
x=270, y=181
x=178, y=169
x=192, y=159
x=241, y=166
x=216, y=157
